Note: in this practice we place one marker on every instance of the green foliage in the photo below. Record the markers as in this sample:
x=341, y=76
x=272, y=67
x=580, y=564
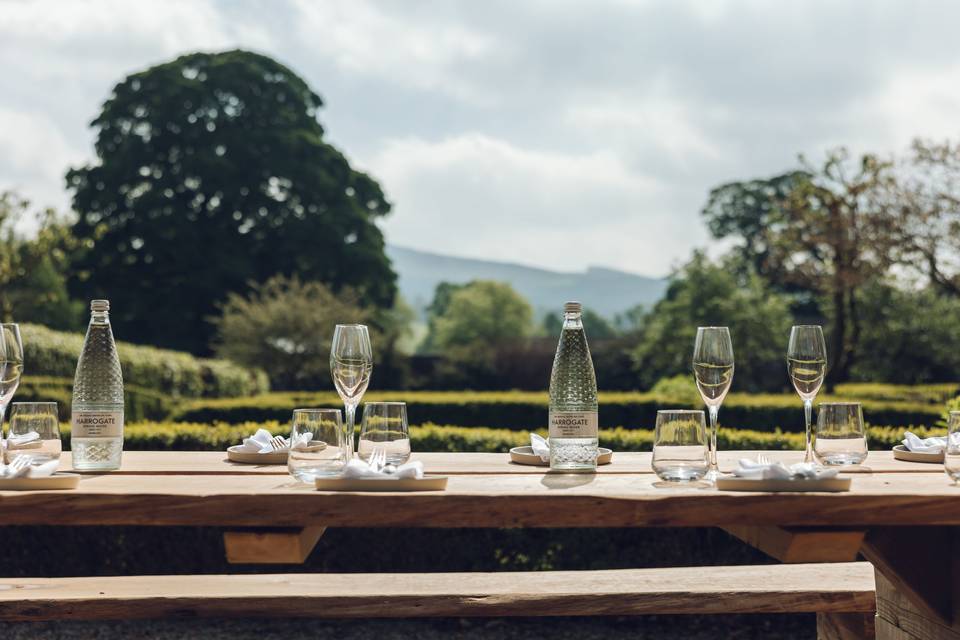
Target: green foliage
x=138, y=403
x=919, y=393
x=469, y=321
x=596, y=326
x=212, y=172
x=285, y=327
x=178, y=436
x=33, y=271
x=703, y=293
x=176, y=374
x=526, y=410
x=680, y=388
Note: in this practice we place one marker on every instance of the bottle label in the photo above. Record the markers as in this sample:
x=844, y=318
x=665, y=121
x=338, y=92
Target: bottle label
x=573, y=424
x=97, y=424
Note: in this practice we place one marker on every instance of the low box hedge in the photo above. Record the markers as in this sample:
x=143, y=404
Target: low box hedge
x=523, y=410
x=180, y=436
x=54, y=354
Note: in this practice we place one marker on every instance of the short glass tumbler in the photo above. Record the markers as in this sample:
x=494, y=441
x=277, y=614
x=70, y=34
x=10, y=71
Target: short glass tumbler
x=317, y=444
x=680, y=445
x=951, y=455
x=840, y=438
x=385, y=426
x=34, y=431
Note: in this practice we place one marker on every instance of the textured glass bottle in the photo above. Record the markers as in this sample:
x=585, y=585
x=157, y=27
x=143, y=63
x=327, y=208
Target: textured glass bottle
x=96, y=433
x=573, y=399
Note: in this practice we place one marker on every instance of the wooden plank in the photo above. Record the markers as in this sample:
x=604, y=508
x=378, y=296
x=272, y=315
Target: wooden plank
x=693, y=590
x=216, y=463
x=898, y=616
x=480, y=501
x=915, y=561
x=801, y=544
x=258, y=546
x=845, y=626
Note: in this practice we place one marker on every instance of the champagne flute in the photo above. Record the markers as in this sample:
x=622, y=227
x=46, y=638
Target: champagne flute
x=351, y=363
x=713, y=371
x=11, y=365
x=807, y=366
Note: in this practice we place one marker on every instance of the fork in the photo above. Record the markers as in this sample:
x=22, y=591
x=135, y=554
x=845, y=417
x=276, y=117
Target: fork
x=378, y=459
x=278, y=443
x=19, y=464
x=763, y=459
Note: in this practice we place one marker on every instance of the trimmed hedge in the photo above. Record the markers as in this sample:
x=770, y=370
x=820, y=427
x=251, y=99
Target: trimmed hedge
x=54, y=354
x=926, y=393
x=523, y=410
x=179, y=436
x=139, y=403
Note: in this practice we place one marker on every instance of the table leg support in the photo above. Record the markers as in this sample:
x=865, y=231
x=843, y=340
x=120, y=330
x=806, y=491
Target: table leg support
x=845, y=626
x=271, y=546
x=798, y=544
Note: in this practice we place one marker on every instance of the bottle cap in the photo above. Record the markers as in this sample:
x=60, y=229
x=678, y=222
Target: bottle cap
x=572, y=307
x=100, y=305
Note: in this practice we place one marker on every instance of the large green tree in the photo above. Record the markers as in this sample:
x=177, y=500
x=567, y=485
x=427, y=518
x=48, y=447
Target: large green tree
x=823, y=231
x=213, y=173
x=33, y=269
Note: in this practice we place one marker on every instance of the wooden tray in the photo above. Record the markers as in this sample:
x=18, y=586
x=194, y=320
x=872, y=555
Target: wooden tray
x=427, y=483
x=730, y=483
x=900, y=452
x=56, y=481
x=525, y=455
x=274, y=457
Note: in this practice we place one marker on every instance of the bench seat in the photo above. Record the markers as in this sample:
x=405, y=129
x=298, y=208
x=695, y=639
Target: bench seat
x=790, y=588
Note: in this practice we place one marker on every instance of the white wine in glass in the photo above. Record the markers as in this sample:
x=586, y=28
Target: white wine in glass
x=807, y=367
x=713, y=372
x=351, y=364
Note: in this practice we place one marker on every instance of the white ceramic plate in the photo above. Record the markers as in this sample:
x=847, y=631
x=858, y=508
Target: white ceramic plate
x=427, y=483
x=731, y=483
x=900, y=452
x=525, y=455
x=234, y=454
x=56, y=481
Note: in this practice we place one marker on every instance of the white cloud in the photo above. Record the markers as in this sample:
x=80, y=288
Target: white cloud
x=487, y=198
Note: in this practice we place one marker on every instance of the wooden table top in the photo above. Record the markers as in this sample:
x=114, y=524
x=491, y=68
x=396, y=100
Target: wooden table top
x=484, y=490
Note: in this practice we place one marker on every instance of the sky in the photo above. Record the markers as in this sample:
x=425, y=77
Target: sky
x=551, y=133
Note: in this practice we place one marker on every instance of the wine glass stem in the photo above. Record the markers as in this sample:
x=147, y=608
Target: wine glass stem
x=807, y=413
x=351, y=412
x=714, y=411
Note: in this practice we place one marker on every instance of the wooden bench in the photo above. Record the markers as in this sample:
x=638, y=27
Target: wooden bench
x=842, y=594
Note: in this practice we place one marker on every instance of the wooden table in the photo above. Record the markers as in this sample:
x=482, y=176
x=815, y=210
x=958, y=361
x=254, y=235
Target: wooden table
x=903, y=517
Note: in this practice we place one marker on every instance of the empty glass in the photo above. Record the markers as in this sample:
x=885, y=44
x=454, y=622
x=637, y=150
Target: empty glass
x=34, y=432
x=316, y=444
x=680, y=445
x=840, y=438
x=385, y=426
x=713, y=372
x=951, y=455
x=351, y=364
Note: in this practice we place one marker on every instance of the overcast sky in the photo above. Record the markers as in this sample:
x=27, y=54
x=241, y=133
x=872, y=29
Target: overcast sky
x=558, y=134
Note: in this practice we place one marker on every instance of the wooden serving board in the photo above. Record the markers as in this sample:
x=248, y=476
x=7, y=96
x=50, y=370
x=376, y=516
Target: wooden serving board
x=525, y=455
x=743, y=484
x=53, y=482
x=426, y=483
x=900, y=452
x=234, y=454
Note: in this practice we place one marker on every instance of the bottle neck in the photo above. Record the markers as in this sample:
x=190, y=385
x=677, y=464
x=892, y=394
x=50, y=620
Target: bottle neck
x=99, y=317
x=572, y=321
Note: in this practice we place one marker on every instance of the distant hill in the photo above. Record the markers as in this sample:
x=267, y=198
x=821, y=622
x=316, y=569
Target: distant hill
x=606, y=291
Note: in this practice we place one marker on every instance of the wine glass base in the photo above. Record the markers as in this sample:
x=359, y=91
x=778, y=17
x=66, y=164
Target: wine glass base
x=712, y=475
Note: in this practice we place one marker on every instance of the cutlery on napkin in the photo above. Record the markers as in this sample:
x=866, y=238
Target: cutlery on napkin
x=754, y=470
x=924, y=445
x=23, y=467
x=540, y=446
x=263, y=442
x=357, y=468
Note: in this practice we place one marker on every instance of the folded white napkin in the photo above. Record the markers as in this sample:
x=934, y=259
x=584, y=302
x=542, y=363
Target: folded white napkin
x=540, y=446
x=302, y=441
x=41, y=470
x=259, y=443
x=924, y=445
x=357, y=468
x=778, y=471
x=26, y=440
